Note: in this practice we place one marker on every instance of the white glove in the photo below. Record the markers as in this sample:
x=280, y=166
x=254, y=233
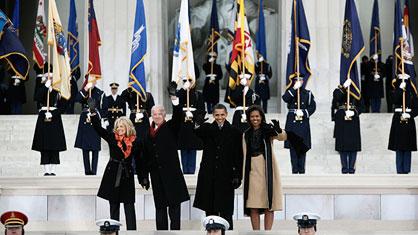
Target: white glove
x=262, y=77
x=406, y=116
x=211, y=59
x=48, y=115
x=243, y=81
x=88, y=86
x=139, y=116
x=261, y=59
x=246, y=88
x=189, y=114
x=347, y=83
x=186, y=85
x=349, y=113
x=298, y=84
x=43, y=79
x=299, y=113
x=48, y=83
x=212, y=79
x=106, y=123
x=243, y=117
x=403, y=85
x=375, y=57
x=403, y=76
x=376, y=77
x=17, y=81
x=175, y=100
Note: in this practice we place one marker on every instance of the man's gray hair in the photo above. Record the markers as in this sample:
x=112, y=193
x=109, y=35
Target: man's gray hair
x=157, y=108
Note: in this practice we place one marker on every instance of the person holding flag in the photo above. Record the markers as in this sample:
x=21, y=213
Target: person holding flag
x=300, y=101
x=87, y=138
x=49, y=137
x=375, y=85
x=212, y=69
x=190, y=99
x=346, y=98
x=74, y=51
x=241, y=71
x=262, y=67
x=402, y=137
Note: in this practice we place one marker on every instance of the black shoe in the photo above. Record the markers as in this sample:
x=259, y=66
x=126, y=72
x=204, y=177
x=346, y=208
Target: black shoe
x=52, y=174
x=46, y=174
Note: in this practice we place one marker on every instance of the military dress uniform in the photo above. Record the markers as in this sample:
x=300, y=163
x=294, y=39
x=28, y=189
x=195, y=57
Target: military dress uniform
x=114, y=106
x=87, y=138
x=13, y=220
x=75, y=76
x=306, y=220
x=39, y=81
x=388, y=83
x=403, y=137
x=347, y=130
x=16, y=95
x=299, y=127
x=365, y=79
x=262, y=87
x=375, y=85
x=235, y=99
x=211, y=86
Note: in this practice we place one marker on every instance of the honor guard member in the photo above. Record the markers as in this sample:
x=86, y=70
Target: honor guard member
x=297, y=121
x=215, y=225
x=347, y=128
x=108, y=226
x=87, y=138
x=306, y=223
x=403, y=135
x=388, y=83
x=40, y=80
x=114, y=106
x=14, y=222
x=188, y=141
x=75, y=76
x=49, y=136
x=140, y=109
x=16, y=95
x=211, y=87
x=263, y=75
x=375, y=89
x=365, y=73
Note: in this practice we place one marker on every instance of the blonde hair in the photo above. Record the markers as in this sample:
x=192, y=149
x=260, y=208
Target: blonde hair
x=130, y=129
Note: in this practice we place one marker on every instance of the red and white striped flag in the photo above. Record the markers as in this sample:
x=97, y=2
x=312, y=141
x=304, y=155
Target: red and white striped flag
x=38, y=47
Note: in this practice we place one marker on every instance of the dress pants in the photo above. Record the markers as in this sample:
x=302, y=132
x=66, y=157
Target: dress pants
x=348, y=162
x=375, y=104
x=188, y=161
x=161, y=217
x=130, y=216
x=403, y=162
x=298, y=162
x=86, y=159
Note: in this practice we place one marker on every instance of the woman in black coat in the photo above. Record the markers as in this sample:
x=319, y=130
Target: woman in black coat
x=118, y=184
x=162, y=163
x=49, y=137
x=403, y=136
x=347, y=129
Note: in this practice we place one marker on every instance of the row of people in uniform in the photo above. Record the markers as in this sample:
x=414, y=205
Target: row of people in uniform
x=15, y=221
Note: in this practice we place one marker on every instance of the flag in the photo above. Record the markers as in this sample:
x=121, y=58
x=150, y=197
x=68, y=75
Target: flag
x=300, y=43
x=183, y=63
x=214, y=34
x=72, y=38
x=139, y=50
x=94, y=71
x=407, y=22
x=38, y=47
x=11, y=48
x=352, y=47
x=61, y=74
x=401, y=46
x=375, y=39
x=242, y=56
x=16, y=16
x=261, y=33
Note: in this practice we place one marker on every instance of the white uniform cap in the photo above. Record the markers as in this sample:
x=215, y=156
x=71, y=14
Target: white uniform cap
x=215, y=222
x=108, y=225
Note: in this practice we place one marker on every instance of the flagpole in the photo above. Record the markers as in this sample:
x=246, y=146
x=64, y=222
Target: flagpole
x=375, y=50
x=243, y=52
x=211, y=63
x=296, y=51
x=49, y=77
x=403, y=76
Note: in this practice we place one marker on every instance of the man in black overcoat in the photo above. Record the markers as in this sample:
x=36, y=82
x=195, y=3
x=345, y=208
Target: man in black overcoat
x=221, y=166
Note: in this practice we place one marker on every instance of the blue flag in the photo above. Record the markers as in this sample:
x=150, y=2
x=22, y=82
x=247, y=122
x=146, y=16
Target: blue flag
x=73, y=42
x=214, y=34
x=402, y=57
x=16, y=16
x=300, y=43
x=352, y=47
x=139, y=48
x=261, y=33
x=11, y=48
x=375, y=39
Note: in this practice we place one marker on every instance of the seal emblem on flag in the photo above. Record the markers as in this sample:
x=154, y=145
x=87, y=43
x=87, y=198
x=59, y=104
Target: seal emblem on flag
x=347, y=39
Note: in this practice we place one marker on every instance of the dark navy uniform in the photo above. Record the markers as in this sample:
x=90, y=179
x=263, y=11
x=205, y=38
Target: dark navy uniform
x=375, y=85
x=347, y=130
x=388, y=84
x=39, y=81
x=211, y=86
x=262, y=88
x=236, y=101
x=403, y=137
x=113, y=107
x=130, y=97
x=301, y=128
x=75, y=75
x=87, y=138
x=16, y=95
x=365, y=78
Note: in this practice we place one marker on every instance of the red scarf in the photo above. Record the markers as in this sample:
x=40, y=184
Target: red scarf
x=128, y=142
x=153, y=131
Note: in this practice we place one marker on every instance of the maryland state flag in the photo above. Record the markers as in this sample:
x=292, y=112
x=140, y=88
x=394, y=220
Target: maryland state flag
x=300, y=43
x=214, y=34
x=183, y=62
x=261, y=33
x=94, y=71
x=73, y=42
x=352, y=47
x=242, y=56
x=38, y=48
x=139, y=49
x=375, y=41
x=11, y=48
x=407, y=22
x=61, y=74
x=401, y=48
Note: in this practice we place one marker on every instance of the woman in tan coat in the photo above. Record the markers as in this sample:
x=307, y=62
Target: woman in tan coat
x=262, y=184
